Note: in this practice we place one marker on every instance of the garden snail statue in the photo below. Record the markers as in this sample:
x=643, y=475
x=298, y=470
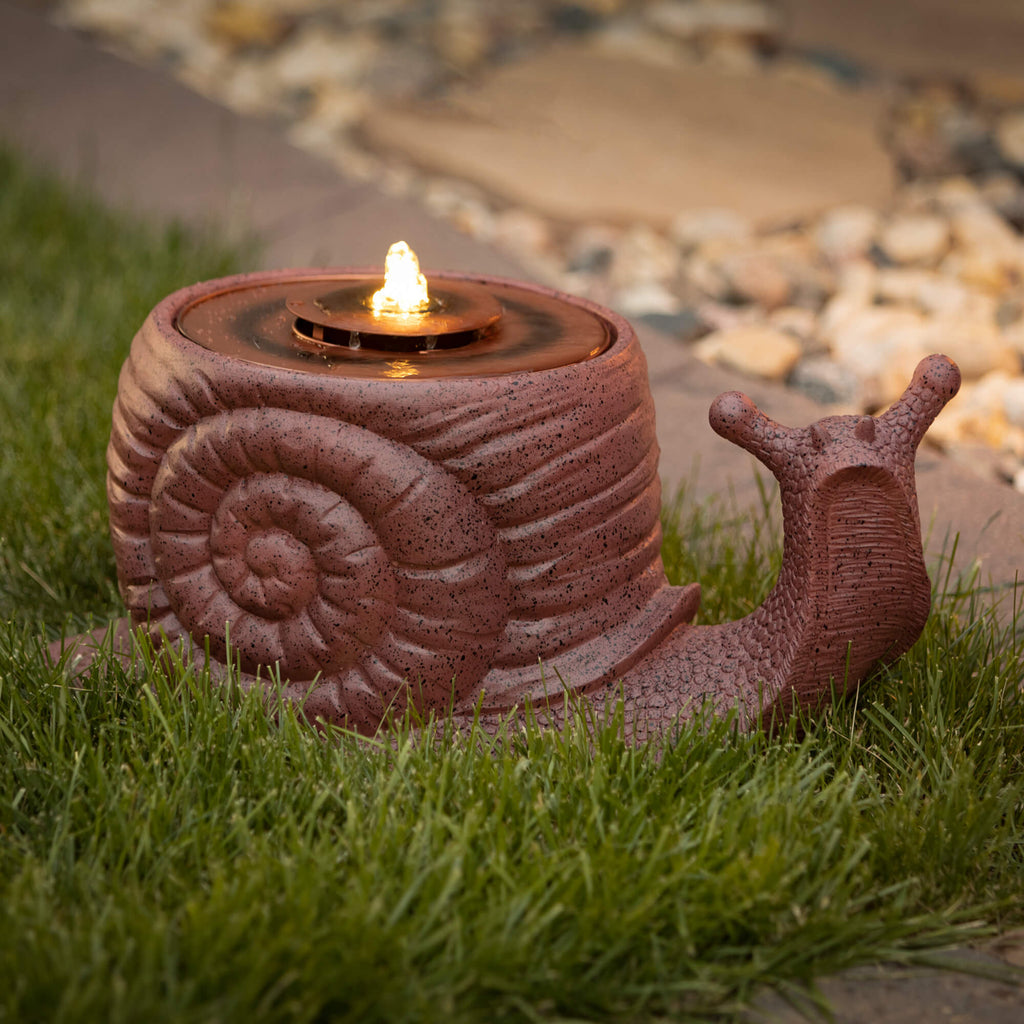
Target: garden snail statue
x=462, y=515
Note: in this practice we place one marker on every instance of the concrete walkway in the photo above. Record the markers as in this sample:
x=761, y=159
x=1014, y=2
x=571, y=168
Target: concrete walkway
x=147, y=144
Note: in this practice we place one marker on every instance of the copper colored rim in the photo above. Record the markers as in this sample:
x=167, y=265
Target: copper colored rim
x=536, y=330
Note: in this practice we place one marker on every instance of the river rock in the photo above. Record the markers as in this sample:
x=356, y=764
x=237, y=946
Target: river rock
x=707, y=277
x=977, y=346
x=756, y=277
x=520, y=231
x=474, y=217
x=824, y=380
x=880, y=345
x=461, y=37
x=692, y=229
x=847, y=232
x=642, y=255
x=932, y=292
x=1013, y=409
x=1010, y=136
x=854, y=294
x=243, y=24
x=798, y=321
x=646, y=297
x=977, y=416
x=247, y=88
x=915, y=238
x=591, y=249
x=1012, y=398
x=316, y=56
x=686, y=325
x=980, y=268
x=756, y=350
x=977, y=227
x=691, y=20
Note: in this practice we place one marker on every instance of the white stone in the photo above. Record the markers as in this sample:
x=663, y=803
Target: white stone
x=915, y=238
x=115, y=17
x=950, y=193
x=977, y=346
x=757, y=350
x=846, y=232
x=981, y=269
x=693, y=18
x=460, y=36
x=316, y=56
x=854, y=294
x=338, y=107
x=1010, y=136
x=643, y=255
x=637, y=42
x=795, y=320
x=443, y=197
x=521, y=231
x=204, y=67
x=354, y=162
x=590, y=249
x=976, y=226
x=646, y=297
x=932, y=292
x=1013, y=400
x=707, y=277
x=248, y=89
x=692, y=229
x=313, y=137
x=1000, y=188
x=972, y=418
x=881, y=346
x=733, y=55
x=755, y=277
x=474, y=217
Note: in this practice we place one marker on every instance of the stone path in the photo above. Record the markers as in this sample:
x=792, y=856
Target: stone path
x=147, y=143
x=824, y=214
x=571, y=132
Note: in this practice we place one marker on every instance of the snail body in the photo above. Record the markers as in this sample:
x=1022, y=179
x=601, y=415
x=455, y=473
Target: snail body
x=462, y=543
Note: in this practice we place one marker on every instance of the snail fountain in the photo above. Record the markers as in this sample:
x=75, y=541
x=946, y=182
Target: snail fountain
x=451, y=501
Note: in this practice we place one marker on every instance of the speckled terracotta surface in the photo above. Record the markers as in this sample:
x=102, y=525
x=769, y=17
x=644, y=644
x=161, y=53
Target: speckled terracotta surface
x=385, y=540
x=853, y=590
x=455, y=541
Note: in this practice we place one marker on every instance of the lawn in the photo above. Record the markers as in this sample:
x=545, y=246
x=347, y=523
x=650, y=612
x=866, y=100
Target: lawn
x=169, y=852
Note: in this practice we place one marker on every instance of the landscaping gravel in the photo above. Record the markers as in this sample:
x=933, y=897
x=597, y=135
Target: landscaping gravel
x=841, y=303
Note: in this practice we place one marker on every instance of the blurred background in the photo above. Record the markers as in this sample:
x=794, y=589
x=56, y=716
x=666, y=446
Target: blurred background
x=812, y=192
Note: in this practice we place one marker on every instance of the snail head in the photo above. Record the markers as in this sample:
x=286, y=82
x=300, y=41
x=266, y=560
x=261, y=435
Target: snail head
x=836, y=445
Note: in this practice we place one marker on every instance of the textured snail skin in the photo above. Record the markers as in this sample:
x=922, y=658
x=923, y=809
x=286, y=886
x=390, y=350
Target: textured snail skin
x=471, y=545
x=853, y=591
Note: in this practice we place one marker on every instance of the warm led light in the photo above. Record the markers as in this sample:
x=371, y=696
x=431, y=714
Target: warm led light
x=405, y=288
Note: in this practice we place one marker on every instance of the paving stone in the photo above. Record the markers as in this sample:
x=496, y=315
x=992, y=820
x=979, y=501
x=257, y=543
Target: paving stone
x=574, y=133
x=975, y=38
x=887, y=994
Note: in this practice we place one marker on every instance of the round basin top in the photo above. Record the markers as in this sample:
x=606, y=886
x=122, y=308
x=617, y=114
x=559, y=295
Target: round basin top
x=478, y=327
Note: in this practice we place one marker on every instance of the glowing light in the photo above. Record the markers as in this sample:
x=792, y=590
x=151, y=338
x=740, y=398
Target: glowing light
x=405, y=288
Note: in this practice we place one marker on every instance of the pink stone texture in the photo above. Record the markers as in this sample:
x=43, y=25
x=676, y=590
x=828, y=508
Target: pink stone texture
x=475, y=544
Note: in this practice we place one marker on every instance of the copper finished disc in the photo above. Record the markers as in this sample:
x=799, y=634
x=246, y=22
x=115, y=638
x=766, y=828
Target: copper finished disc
x=533, y=331
x=456, y=307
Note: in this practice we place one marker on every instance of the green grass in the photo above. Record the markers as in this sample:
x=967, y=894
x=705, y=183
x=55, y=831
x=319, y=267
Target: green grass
x=168, y=852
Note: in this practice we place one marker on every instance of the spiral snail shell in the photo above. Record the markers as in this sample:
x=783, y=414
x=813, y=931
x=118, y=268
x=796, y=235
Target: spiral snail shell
x=479, y=539
x=444, y=540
